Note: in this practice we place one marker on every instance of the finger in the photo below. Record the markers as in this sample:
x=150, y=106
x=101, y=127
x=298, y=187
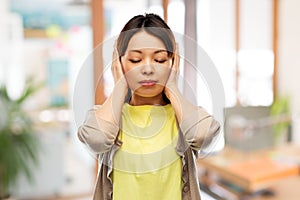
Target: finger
x=115, y=61
x=114, y=64
x=176, y=58
x=117, y=69
x=115, y=55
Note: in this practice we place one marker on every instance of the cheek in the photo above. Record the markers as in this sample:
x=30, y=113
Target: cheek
x=132, y=77
x=163, y=73
x=126, y=65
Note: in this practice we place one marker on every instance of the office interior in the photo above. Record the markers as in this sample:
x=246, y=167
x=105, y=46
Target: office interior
x=252, y=47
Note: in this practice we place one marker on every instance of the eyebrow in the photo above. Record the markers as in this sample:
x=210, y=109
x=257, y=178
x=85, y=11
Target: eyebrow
x=139, y=51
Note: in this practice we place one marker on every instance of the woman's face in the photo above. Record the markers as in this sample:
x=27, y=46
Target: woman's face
x=146, y=65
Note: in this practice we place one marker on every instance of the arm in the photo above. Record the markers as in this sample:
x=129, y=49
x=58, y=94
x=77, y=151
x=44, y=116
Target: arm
x=101, y=125
x=198, y=127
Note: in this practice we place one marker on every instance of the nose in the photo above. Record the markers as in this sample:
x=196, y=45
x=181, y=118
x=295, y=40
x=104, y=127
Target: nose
x=148, y=69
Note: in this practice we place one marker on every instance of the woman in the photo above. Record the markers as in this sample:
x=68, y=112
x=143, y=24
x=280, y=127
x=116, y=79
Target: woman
x=147, y=139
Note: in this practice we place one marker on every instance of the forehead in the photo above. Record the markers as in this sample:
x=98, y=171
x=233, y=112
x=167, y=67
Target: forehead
x=143, y=40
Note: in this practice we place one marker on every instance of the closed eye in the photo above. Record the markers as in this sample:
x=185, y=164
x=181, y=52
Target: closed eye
x=160, y=61
x=134, y=61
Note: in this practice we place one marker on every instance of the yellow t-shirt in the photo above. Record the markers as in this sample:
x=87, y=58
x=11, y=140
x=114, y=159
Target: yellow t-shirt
x=147, y=165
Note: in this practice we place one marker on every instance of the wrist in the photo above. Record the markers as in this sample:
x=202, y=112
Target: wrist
x=171, y=91
x=121, y=86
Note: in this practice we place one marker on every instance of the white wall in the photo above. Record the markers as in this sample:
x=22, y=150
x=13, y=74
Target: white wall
x=289, y=51
x=289, y=58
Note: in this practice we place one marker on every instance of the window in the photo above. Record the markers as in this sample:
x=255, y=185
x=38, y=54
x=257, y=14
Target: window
x=242, y=52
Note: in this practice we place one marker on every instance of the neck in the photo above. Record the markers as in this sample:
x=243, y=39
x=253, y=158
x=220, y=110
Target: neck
x=137, y=100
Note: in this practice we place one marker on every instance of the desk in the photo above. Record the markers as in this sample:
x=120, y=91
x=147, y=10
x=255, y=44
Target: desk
x=239, y=174
x=284, y=189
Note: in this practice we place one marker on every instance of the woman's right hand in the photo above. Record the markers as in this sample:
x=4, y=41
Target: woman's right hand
x=111, y=109
x=116, y=66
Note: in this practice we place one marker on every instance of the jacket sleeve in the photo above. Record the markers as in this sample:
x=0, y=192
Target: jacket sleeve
x=199, y=128
x=99, y=135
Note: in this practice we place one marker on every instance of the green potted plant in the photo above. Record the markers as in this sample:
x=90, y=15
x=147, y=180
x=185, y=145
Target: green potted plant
x=280, y=107
x=18, y=144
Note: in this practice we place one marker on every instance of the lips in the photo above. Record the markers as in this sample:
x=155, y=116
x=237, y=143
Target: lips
x=148, y=83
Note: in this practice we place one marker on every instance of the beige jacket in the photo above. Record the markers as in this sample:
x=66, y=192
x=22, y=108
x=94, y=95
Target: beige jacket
x=195, y=132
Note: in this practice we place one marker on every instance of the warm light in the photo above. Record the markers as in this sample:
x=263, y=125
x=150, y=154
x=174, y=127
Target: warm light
x=63, y=115
x=46, y=116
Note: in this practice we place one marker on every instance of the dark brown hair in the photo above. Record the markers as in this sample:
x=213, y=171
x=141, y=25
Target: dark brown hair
x=152, y=24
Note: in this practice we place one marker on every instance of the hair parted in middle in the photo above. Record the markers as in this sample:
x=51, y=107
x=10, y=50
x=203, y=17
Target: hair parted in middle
x=150, y=23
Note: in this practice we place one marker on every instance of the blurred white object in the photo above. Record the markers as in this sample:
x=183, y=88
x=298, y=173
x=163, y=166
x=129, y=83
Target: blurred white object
x=11, y=51
x=241, y=128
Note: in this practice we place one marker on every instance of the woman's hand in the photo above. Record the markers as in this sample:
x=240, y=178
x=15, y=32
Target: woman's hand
x=180, y=104
x=116, y=67
x=174, y=73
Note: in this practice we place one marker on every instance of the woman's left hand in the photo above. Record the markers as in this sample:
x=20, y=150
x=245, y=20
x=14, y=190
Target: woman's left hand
x=171, y=83
x=182, y=107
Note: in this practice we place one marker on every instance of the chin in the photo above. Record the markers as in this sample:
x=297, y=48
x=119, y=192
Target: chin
x=149, y=92
x=145, y=95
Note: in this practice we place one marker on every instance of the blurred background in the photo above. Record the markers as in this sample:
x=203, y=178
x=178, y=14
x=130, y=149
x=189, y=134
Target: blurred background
x=44, y=45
